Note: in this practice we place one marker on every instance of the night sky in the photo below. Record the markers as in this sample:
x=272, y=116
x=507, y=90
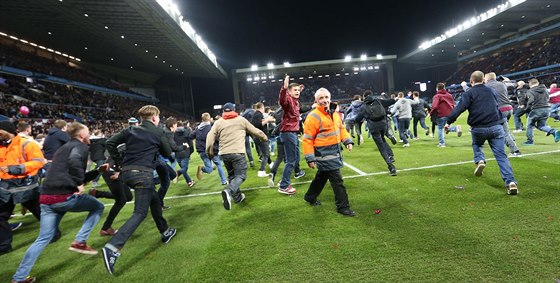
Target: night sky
x=245, y=32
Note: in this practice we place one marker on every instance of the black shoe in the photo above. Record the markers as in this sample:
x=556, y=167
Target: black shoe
x=299, y=174
x=110, y=258
x=393, y=140
x=168, y=234
x=392, y=159
x=165, y=207
x=56, y=237
x=226, y=199
x=393, y=171
x=252, y=164
x=347, y=212
x=315, y=203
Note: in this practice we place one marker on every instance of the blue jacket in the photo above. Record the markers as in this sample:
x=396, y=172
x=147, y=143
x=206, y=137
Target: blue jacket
x=54, y=140
x=482, y=103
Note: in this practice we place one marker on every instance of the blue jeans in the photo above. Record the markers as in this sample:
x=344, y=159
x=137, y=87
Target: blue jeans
x=184, y=165
x=272, y=142
x=236, y=166
x=291, y=156
x=441, y=121
x=145, y=196
x=496, y=139
x=50, y=218
x=554, y=108
x=208, y=168
x=510, y=142
x=517, y=114
x=537, y=117
x=165, y=174
x=248, y=148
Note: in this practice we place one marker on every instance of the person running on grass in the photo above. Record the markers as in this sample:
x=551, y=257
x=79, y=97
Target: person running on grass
x=63, y=191
x=485, y=120
x=144, y=143
x=230, y=131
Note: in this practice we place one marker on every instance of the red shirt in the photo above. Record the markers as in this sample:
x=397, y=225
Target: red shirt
x=290, y=106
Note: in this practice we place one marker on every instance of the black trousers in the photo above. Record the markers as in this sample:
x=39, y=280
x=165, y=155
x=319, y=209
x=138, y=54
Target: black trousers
x=5, y=213
x=318, y=183
x=264, y=153
x=384, y=148
x=120, y=192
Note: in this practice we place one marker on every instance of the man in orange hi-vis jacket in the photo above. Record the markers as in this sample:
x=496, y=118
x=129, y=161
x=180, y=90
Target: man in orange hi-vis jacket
x=20, y=161
x=322, y=133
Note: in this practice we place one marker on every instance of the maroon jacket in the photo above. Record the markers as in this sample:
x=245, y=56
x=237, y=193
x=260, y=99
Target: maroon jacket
x=442, y=104
x=290, y=106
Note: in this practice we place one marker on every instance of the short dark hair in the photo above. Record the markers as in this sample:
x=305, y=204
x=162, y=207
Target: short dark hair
x=440, y=86
x=170, y=122
x=292, y=85
x=22, y=126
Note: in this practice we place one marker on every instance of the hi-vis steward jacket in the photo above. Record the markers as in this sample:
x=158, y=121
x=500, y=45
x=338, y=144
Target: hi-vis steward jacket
x=24, y=159
x=322, y=133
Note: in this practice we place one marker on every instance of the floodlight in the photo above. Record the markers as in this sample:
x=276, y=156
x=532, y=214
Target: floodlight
x=287, y=64
x=363, y=57
x=347, y=58
x=270, y=65
x=379, y=56
x=376, y=67
x=254, y=67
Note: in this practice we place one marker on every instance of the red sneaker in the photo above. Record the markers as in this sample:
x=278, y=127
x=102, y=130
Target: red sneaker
x=288, y=190
x=108, y=232
x=82, y=248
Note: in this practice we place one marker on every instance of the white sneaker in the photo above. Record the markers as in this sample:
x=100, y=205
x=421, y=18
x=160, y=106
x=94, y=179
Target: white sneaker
x=271, y=180
x=262, y=174
x=517, y=131
x=406, y=145
x=479, y=168
x=512, y=189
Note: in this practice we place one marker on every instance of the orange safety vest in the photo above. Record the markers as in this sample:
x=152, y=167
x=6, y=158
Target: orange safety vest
x=322, y=133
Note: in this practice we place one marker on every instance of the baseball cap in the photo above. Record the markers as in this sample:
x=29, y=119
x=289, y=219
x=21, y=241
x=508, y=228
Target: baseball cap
x=228, y=107
x=132, y=120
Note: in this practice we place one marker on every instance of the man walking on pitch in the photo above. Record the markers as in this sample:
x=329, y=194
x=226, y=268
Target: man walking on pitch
x=322, y=133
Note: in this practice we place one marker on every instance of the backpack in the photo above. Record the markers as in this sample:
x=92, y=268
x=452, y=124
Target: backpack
x=375, y=111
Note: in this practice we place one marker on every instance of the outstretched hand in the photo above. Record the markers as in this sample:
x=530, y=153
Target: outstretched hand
x=286, y=81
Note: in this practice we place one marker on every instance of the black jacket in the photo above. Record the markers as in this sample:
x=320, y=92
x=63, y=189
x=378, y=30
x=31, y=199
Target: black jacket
x=68, y=169
x=97, y=149
x=182, y=135
x=54, y=140
x=143, y=144
x=375, y=126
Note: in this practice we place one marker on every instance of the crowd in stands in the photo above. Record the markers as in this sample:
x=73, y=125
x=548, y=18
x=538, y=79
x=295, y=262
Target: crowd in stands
x=342, y=87
x=12, y=56
x=50, y=101
x=529, y=55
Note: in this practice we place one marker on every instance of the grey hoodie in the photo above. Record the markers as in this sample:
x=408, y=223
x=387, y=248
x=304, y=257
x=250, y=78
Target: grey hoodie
x=537, y=97
x=404, y=107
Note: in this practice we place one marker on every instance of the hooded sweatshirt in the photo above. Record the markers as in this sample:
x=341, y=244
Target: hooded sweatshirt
x=537, y=97
x=230, y=131
x=404, y=107
x=443, y=104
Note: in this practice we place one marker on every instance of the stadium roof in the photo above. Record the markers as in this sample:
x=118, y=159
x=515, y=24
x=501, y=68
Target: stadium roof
x=143, y=35
x=520, y=18
x=316, y=67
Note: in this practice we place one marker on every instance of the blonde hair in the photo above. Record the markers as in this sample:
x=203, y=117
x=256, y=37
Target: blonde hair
x=490, y=76
x=148, y=111
x=477, y=76
x=74, y=129
x=205, y=117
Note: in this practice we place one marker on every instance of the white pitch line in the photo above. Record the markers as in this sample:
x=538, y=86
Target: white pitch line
x=355, y=169
x=362, y=174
